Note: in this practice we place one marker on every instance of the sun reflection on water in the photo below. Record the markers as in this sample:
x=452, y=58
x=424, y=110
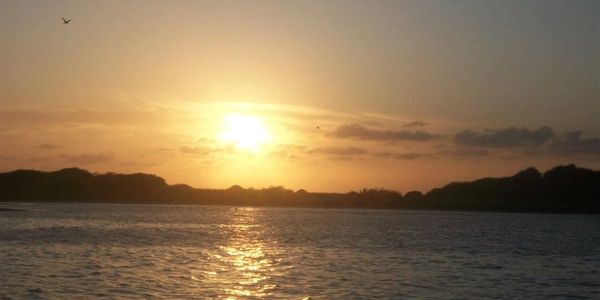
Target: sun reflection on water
x=245, y=263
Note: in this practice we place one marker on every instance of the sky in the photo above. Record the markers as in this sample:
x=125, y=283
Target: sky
x=320, y=95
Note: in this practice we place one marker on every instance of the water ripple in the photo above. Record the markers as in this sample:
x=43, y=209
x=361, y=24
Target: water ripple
x=194, y=252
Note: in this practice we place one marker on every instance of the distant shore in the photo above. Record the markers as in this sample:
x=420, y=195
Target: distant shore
x=564, y=189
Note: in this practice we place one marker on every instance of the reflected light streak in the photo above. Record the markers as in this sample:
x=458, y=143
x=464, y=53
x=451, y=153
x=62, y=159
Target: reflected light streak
x=244, y=264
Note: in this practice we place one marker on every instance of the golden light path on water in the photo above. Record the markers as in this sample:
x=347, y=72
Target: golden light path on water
x=248, y=263
x=90, y=251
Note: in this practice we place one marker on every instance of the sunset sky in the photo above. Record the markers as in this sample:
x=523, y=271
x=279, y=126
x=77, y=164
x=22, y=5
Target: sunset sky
x=321, y=95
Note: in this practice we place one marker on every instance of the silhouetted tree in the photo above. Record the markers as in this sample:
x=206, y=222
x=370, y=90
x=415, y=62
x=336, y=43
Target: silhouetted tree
x=561, y=189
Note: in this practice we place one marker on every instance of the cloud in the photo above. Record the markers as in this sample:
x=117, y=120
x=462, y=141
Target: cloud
x=416, y=124
x=88, y=158
x=341, y=158
x=39, y=117
x=195, y=150
x=39, y=159
x=359, y=132
x=401, y=156
x=530, y=142
x=574, y=144
x=7, y=158
x=464, y=152
x=47, y=147
x=505, y=137
x=460, y=153
x=289, y=151
x=339, y=151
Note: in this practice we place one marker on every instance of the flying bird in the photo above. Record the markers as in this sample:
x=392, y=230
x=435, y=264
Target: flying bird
x=66, y=21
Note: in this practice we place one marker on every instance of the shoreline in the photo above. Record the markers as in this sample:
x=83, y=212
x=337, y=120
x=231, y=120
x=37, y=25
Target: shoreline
x=422, y=209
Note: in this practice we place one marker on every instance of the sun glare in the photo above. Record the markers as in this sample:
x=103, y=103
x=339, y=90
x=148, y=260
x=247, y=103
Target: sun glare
x=244, y=131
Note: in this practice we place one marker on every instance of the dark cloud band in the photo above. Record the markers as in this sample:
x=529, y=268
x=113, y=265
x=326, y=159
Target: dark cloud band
x=359, y=132
x=505, y=137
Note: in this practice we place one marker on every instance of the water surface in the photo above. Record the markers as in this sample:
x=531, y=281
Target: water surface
x=204, y=252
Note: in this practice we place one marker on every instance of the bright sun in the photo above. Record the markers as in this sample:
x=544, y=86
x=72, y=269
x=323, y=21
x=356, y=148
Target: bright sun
x=244, y=131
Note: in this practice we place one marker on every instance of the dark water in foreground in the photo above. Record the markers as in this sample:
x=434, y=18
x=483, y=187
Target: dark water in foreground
x=154, y=251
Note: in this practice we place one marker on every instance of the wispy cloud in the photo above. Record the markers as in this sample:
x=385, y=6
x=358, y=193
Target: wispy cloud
x=39, y=159
x=47, y=147
x=359, y=132
x=36, y=117
x=400, y=156
x=416, y=124
x=339, y=151
x=7, y=158
x=573, y=144
x=529, y=142
x=464, y=152
x=453, y=153
x=88, y=158
x=505, y=137
x=195, y=150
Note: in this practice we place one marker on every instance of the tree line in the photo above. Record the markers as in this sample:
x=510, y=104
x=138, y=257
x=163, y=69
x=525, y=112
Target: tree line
x=563, y=189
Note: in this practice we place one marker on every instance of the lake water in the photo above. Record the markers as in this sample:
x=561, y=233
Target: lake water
x=203, y=252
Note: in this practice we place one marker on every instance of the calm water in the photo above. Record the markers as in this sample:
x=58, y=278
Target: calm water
x=148, y=251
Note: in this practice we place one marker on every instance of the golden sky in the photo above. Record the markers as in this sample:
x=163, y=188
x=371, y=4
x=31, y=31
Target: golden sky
x=321, y=95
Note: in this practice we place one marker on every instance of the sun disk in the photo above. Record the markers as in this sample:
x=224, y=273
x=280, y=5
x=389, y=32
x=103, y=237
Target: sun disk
x=244, y=131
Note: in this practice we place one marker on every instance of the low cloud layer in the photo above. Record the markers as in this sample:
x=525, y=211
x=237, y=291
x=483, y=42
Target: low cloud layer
x=339, y=151
x=38, y=117
x=500, y=142
x=359, y=132
x=573, y=144
x=88, y=158
x=195, y=150
x=6, y=158
x=464, y=152
x=455, y=153
x=542, y=140
x=47, y=147
x=400, y=156
x=505, y=137
x=416, y=124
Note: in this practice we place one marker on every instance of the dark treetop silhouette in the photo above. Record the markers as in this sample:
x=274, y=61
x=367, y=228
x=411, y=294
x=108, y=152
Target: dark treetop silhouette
x=564, y=189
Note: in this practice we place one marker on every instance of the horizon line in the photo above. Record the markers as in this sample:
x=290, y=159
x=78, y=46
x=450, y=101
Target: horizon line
x=94, y=173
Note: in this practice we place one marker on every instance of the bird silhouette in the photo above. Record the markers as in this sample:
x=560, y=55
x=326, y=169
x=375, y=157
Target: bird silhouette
x=66, y=21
